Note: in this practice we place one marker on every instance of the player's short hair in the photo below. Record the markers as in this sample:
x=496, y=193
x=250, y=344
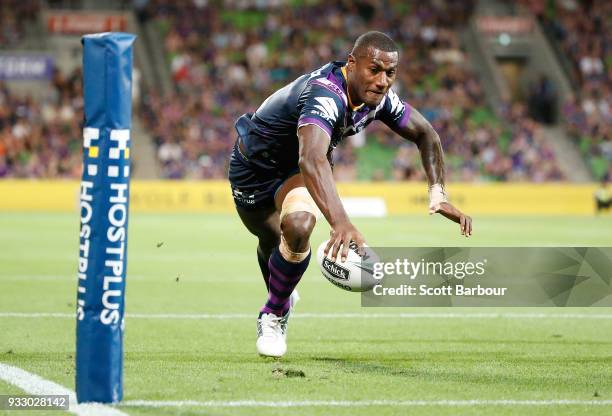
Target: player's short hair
x=374, y=39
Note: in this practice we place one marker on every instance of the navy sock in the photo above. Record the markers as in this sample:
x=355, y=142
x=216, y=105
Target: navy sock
x=284, y=277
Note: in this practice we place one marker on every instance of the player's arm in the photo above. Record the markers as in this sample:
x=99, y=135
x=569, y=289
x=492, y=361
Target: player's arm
x=418, y=130
x=319, y=181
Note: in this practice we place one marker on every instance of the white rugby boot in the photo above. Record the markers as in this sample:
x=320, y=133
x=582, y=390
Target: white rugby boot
x=272, y=335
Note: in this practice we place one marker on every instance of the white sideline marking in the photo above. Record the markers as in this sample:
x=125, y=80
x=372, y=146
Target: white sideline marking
x=357, y=403
x=306, y=315
x=33, y=384
x=36, y=315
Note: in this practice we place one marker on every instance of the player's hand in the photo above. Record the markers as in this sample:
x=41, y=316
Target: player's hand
x=341, y=235
x=453, y=214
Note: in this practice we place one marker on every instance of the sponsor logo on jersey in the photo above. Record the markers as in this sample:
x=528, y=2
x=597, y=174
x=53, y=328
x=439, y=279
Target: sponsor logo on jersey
x=240, y=196
x=327, y=108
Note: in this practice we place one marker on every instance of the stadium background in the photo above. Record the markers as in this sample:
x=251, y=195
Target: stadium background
x=519, y=92
x=515, y=90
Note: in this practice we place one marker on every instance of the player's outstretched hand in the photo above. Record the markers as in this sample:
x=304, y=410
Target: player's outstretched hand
x=459, y=217
x=341, y=235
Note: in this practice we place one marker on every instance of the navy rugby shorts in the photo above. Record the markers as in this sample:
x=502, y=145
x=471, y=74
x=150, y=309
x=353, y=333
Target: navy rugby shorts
x=253, y=188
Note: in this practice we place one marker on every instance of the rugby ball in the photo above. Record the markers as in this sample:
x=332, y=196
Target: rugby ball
x=355, y=274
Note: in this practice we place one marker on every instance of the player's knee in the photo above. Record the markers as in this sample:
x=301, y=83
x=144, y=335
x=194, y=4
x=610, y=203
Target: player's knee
x=298, y=218
x=297, y=227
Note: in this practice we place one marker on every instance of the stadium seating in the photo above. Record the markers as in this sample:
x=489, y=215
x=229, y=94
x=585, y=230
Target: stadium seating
x=223, y=69
x=583, y=35
x=42, y=139
x=226, y=68
x=15, y=15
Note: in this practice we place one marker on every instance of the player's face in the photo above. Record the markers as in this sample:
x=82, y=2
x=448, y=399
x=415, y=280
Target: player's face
x=371, y=76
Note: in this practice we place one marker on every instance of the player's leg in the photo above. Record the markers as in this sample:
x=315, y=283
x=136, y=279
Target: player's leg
x=289, y=261
x=287, y=264
x=263, y=223
x=253, y=194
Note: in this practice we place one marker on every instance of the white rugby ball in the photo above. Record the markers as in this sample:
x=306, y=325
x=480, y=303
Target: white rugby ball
x=355, y=274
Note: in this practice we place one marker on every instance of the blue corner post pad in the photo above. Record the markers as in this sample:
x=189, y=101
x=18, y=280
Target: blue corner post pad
x=107, y=79
x=104, y=207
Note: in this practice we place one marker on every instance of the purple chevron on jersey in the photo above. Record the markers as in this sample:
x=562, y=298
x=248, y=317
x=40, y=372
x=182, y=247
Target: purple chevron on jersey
x=334, y=87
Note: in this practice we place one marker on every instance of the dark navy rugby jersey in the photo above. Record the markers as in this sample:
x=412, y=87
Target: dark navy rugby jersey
x=270, y=137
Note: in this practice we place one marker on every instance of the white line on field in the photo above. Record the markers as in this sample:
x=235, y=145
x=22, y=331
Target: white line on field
x=33, y=384
x=60, y=277
x=36, y=315
x=332, y=315
x=358, y=403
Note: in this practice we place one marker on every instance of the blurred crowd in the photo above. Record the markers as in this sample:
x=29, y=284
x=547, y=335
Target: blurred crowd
x=42, y=138
x=226, y=60
x=250, y=48
x=583, y=30
x=15, y=15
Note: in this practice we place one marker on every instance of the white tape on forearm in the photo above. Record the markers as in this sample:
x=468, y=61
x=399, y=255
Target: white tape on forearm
x=437, y=195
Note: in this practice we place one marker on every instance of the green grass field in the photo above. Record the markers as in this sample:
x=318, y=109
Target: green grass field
x=207, y=265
